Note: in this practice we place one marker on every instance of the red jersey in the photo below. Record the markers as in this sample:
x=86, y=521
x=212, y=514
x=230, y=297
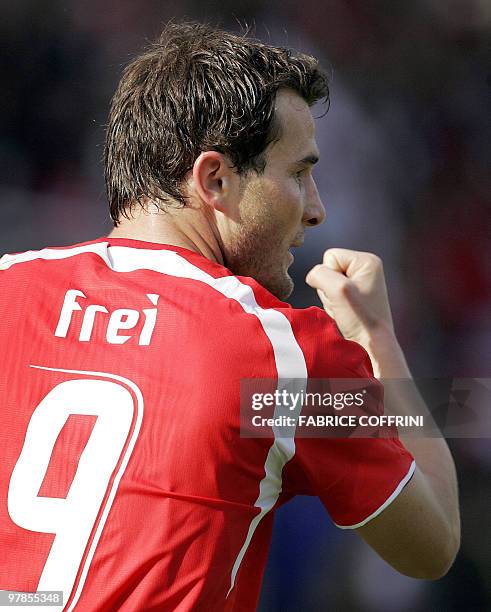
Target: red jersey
x=124, y=481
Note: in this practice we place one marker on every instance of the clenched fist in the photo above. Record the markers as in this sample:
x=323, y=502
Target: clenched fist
x=351, y=286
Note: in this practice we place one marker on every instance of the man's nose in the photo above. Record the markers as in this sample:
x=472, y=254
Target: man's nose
x=314, y=213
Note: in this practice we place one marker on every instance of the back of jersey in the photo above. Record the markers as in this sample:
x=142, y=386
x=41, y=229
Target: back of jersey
x=120, y=484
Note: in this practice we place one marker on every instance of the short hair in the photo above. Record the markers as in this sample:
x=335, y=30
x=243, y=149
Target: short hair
x=197, y=88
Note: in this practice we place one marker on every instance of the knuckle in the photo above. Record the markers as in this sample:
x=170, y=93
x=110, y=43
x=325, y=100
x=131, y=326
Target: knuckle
x=375, y=260
x=327, y=254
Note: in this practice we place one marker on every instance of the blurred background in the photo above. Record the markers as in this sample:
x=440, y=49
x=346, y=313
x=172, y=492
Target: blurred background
x=404, y=173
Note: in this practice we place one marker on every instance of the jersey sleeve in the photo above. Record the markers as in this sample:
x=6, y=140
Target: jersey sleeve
x=355, y=478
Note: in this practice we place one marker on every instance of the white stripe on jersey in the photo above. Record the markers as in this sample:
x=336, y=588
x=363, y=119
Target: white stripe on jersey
x=99, y=248
x=289, y=358
x=387, y=502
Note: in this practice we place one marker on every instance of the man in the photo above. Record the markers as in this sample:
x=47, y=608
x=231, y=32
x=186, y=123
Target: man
x=125, y=483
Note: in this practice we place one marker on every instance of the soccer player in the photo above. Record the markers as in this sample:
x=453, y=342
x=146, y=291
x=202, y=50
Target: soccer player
x=124, y=482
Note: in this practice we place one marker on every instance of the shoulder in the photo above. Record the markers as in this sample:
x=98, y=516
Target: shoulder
x=325, y=351
x=58, y=256
x=208, y=292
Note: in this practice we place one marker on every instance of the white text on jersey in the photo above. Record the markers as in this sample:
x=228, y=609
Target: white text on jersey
x=120, y=319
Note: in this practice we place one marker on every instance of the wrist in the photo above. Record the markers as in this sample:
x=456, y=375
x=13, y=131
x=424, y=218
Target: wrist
x=385, y=352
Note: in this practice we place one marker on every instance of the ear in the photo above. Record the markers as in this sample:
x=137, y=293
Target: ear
x=215, y=181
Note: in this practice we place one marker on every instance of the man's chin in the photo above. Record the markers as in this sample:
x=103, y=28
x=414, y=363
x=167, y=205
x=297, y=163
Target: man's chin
x=278, y=283
x=281, y=288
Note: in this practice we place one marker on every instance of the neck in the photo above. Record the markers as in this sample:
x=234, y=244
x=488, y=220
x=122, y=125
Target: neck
x=185, y=227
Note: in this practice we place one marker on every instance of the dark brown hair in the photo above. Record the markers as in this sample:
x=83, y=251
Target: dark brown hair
x=197, y=88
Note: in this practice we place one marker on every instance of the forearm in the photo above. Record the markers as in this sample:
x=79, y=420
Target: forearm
x=419, y=532
x=402, y=397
